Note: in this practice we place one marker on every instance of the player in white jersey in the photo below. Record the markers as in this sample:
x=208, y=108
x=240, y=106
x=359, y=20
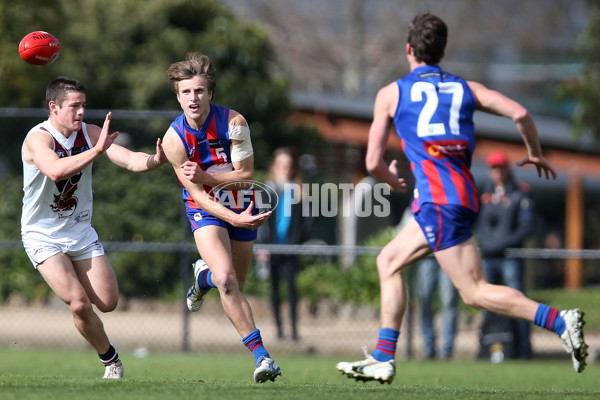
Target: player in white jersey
x=57, y=210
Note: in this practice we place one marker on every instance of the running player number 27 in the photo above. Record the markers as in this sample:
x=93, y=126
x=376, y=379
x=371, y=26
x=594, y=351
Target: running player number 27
x=424, y=125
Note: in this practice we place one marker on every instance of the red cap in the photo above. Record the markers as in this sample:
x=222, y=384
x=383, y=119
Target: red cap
x=497, y=158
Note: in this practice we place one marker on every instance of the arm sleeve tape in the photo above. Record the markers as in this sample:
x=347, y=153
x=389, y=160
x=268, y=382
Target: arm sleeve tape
x=242, y=150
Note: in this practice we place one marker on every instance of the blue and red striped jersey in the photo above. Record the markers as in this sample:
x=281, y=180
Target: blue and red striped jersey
x=434, y=120
x=210, y=147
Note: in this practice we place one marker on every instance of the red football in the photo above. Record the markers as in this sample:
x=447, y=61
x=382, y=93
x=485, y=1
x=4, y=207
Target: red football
x=39, y=48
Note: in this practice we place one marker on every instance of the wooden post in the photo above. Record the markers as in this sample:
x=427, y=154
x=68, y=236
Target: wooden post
x=574, y=215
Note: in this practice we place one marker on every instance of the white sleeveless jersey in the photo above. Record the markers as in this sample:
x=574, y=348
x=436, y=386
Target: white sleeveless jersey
x=58, y=212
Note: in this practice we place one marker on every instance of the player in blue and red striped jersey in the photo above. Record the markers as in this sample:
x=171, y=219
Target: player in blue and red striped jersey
x=211, y=152
x=432, y=111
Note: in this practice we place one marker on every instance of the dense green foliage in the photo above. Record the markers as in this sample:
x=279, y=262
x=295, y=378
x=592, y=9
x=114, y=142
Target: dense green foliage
x=18, y=275
x=121, y=51
x=128, y=207
x=329, y=280
x=144, y=207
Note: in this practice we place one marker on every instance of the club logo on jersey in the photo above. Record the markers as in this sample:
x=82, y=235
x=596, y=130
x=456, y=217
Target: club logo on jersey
x=191, y=152
x=440, y=149
x=65, y=201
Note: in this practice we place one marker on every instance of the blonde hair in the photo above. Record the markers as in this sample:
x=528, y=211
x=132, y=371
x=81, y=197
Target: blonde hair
x=195, y=64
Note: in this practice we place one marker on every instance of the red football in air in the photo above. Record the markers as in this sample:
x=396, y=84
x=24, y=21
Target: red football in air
x=39, y=48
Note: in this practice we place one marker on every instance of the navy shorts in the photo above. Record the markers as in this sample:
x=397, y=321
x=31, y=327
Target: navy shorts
x=445, y=225
x=199, y=218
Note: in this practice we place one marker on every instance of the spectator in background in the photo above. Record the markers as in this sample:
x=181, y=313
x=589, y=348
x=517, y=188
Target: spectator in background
x=554, y=268
x=506, y=218
x=431, y=277
x=287, y=225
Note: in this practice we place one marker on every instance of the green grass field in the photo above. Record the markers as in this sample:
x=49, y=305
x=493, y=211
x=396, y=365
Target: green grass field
x=67, y=375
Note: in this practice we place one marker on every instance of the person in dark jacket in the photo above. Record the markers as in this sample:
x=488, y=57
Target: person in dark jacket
x=506, y=219
x=287, y=225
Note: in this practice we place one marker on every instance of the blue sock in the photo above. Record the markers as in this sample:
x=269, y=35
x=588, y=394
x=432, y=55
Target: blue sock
x=549, y=318
x=386, y=344
x=254, y=343
x=205, y=281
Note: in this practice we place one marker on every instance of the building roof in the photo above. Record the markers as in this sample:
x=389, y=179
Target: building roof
x=553, y=132
x=346, y=120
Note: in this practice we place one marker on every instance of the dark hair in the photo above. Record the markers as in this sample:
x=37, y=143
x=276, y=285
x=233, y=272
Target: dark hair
x=195, y=65
x=427, y=35
x=58, y=89
x=293, y=153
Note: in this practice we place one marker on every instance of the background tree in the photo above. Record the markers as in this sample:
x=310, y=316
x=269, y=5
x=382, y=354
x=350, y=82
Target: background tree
x=121, y=51
x=354, y=47
x=584, y=90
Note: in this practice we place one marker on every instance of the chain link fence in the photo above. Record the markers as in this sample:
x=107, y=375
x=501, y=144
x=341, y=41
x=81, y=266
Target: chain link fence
x=145, y=323
x=143, y=326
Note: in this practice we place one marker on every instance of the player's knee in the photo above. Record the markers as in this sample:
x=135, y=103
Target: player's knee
x=386, y=265
x=109, y=305
x=381, y=261
x=225, y=281
x=81, y=308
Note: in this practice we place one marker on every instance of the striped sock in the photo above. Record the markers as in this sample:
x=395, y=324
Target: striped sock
x=110, y=356
x=205, y=281
x=549, y=318
x=386, y=344
x=254, y=343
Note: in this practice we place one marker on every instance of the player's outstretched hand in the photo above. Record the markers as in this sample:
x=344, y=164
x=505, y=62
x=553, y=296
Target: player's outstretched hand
x=541, y=165
x=160, y=157
x=105, y=140
x=245, y=219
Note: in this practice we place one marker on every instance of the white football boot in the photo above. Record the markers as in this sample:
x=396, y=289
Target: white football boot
x=114, y=370
x=267, y=370
x=369, y=369
x=572, y=338
x=195, y=295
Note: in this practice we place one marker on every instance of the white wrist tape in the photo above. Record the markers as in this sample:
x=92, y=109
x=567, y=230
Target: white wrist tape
x=243, y=150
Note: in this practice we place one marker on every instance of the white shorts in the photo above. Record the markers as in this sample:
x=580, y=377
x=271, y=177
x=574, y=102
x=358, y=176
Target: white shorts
x=39, y=251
